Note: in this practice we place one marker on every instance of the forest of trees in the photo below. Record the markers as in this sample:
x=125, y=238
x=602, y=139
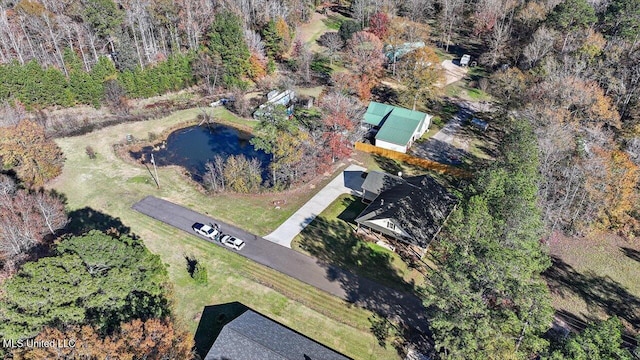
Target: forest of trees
x=565, y=81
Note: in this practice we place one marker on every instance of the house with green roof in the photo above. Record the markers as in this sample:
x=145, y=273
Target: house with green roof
x=395, y=128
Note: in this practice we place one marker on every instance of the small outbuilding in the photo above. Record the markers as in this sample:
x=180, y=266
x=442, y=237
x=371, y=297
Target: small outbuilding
x=275, y=97
x=394, y=128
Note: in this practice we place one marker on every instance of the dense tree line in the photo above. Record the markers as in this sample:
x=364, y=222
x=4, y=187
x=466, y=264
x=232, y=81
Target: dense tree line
x=577, y=82
x=140, y=33
x=487, y=298
x=35, y=86
x=64, y=55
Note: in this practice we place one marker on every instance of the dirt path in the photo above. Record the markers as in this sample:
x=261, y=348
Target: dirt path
x=453, y=72
x=312, y=30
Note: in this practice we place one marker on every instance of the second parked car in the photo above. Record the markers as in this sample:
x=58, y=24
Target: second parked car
x=232, y=242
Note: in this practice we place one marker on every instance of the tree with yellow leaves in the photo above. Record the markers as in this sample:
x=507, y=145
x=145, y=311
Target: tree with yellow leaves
x=419, y=72
x=26, y=149
x=137, y=339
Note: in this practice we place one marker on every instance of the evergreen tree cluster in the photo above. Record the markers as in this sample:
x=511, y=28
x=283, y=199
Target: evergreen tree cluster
x=38, y=87
x=95, y=279
x=173, y=74
x=487, y=298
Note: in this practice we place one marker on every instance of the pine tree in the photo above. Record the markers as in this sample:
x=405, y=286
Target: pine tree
x=227, y=40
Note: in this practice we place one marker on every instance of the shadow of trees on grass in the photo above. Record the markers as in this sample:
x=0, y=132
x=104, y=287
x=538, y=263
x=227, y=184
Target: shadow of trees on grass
x=212, y=320
x=87, y=219
x=632, y=254
x=599, y=292
x=378, y=286
x=334, y=242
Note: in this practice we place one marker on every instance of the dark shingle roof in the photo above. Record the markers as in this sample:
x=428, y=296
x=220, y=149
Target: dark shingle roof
x=377, y=181
x=252, y=336
x=419, y=205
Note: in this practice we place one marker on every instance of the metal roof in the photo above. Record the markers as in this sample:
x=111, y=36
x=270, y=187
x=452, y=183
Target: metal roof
x=397, y=125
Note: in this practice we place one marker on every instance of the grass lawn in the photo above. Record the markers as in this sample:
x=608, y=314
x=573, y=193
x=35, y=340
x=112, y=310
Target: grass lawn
x=460, y=90
x=331, y=238
x=333, y=21
x=442, y=55
x=310, y=91
x=111, y=185
x=311, y=31
x=596, y=277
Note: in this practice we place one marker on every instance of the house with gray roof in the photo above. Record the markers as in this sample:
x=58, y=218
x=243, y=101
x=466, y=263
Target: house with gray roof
x=393, y=127
x=252, y=336
x=411, y=210
x=376, y=182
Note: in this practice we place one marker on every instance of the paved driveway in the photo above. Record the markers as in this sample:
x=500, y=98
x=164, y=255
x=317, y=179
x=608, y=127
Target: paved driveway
x=350, y=287
x=349, y=182
x=447, y=146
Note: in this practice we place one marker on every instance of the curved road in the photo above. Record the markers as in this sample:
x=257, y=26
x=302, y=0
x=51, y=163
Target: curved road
x=350, y=287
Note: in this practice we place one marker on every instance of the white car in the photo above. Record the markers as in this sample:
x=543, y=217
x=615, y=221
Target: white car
x=232, y=242
x=205, y=230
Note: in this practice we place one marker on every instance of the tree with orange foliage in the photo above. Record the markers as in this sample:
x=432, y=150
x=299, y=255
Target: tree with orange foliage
x=257, y=68
x=150, y=340
x=613, y=188
x=341, y=115
x=364, y=52
x=277, y=38
x=26, y=149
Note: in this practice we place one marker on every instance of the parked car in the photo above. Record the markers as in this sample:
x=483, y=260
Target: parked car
x=232, y=242
x=208, y=231
x=477, y=123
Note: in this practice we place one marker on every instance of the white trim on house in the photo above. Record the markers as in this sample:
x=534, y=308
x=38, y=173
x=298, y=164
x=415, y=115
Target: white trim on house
x=391, y=146
x=384, y=223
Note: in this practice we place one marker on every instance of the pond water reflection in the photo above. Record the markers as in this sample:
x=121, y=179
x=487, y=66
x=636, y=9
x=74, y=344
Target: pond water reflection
x=194, y=146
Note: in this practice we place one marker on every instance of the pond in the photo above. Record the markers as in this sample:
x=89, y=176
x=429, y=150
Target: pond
x=194, y=146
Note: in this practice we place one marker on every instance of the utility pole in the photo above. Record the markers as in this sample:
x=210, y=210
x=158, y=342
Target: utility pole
x=155, y=169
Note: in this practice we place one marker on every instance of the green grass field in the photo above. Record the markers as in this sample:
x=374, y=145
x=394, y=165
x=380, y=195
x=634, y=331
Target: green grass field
x=110, y=185
x=596, y=277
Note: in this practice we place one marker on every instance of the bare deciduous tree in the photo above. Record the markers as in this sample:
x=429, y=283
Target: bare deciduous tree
x=116, y=98
x=633, y=149
x=25, y=218
x=450, y=17
x=11, y=114
x=333, y=42
x=214, y=174
x=540, y=46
